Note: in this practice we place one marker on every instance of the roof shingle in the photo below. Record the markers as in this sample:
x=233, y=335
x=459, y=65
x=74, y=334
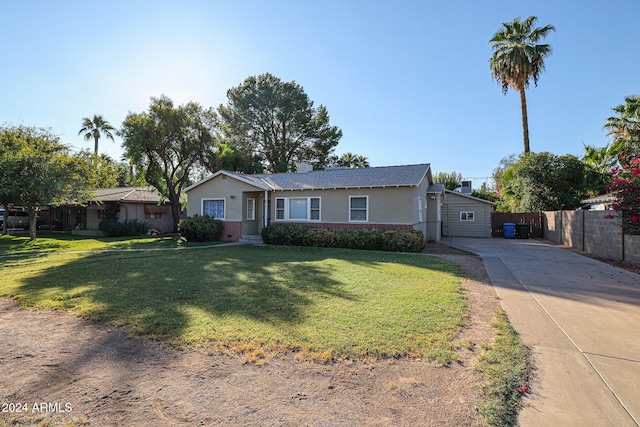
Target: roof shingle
x=387, y=176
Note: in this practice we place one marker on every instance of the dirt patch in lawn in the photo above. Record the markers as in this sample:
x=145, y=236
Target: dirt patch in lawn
x=65, y=370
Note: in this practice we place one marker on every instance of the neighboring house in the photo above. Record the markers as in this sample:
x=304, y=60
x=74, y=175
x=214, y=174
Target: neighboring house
x=466, y=216
x=602, y=202
x=389, y=198
x=142, y=204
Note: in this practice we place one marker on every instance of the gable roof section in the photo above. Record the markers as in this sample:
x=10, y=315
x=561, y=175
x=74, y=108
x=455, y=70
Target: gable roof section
x=127, y=195
x=387, y=176
x=466, y=196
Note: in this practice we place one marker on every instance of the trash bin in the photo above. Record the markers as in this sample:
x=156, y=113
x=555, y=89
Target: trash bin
x=509, y=230
x=522, y=231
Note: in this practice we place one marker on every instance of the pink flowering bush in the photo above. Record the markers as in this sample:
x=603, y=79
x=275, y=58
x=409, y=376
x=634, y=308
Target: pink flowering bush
x=625, y=181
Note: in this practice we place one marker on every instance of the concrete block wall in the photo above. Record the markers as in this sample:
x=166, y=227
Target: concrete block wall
x=603, y=236
x=592, y=232
x=552, y=226
x=573, y=228
x=632, y=249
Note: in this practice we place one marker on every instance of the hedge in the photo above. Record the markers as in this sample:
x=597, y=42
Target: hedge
x=201, y=229
x=351, y=238
x=113, y=228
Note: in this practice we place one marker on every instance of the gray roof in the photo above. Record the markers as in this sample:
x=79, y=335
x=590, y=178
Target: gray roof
x=435, y=188
x=127, y=194
x=387, y=176
x=469, y=196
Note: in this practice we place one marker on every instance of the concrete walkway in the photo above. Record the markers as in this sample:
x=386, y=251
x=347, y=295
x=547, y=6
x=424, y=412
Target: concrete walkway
x=582, y=317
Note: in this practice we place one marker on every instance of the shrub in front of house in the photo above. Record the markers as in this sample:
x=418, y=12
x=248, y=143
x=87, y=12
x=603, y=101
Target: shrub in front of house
x=350, y=238
x=113, y=228
x=201, y=229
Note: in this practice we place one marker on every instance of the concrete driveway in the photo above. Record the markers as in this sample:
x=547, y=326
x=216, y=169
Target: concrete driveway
x=583, y=318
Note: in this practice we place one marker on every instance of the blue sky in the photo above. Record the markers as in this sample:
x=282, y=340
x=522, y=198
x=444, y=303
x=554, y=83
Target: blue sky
x=406, y=81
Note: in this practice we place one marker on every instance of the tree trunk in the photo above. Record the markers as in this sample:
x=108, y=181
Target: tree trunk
x=175, y=214
x=5, y=218
x=525, y=121
x=95, y=149
x=33, y=225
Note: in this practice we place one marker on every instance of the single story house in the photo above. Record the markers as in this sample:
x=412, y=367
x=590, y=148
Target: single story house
x=142, y=204
x=466, y=216
x=389, y=198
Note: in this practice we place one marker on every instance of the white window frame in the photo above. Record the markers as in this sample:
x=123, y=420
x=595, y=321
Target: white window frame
x=286, y=212
x=284, y=209
x=251, y=209
x=223, y=200
x=464, y=216
x=366, y=214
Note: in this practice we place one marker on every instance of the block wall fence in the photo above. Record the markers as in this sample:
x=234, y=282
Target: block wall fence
x=591, y=232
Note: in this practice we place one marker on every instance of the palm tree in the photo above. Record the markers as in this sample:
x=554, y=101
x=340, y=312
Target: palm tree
x=601, y=159
x=94, y=128
x=353, y=161
x=517, y=58
x=361, y=162
x=625, y=127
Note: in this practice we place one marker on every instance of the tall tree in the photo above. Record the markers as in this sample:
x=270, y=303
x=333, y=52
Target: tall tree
x=276, y=119
x=624, y=127
x=95, y=128
x=44, y=171
x=518, y=58
x=167, y=142
x=225, y=156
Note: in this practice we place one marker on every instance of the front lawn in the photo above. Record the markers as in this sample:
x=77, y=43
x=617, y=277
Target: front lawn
x=62, y=242
x=322, y=303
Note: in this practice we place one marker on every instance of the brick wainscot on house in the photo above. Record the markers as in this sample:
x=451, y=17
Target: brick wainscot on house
x=388, y=198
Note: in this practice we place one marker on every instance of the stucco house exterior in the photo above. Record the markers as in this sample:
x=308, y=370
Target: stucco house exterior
x=393, y=197
x=465, y=215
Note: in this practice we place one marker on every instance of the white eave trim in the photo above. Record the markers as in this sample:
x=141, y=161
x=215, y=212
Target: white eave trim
x=265, y=187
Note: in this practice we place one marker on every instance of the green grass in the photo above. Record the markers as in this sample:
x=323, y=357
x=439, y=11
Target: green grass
x=507, y=368
x=321, y=303
x=60, y=242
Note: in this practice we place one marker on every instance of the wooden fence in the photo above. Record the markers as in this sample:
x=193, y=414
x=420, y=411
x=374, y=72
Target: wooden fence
x=534, y=219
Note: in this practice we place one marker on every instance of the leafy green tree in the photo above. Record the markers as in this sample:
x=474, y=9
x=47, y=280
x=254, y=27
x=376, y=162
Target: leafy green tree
x=624, y=127
x=225, y=156
x=10, y=144
x=276, y=120
x=518, y=58
x=104, y=172
x=44, y=171
x=167, y=142
x=451, y=180
x=94, y=128
x=353, y=161
x=486, y=193
x=543, y=182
